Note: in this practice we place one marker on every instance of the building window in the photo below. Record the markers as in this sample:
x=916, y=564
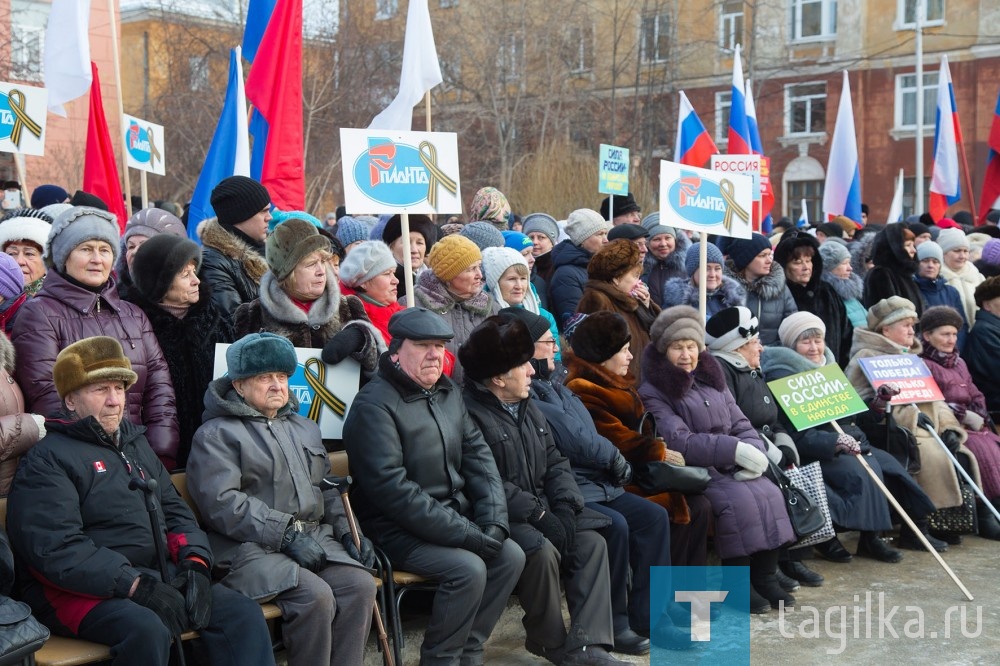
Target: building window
x=907, y=13
x=805, y=108
x=26, y=53
x=723, y=103
x=909, y=184
x=510, y=57
x=809, y=191
x=386, y=9
x=655, y=38
x=447, y=4
x=198, y=72
x=906, y=100
x=580, y=49
x=814, y=19
x=731, y=25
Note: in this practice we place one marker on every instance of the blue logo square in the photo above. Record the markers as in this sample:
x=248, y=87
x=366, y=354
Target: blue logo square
x=699, y=615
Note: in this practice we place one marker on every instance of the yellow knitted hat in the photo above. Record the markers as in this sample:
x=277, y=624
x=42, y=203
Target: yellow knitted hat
x=451, y=255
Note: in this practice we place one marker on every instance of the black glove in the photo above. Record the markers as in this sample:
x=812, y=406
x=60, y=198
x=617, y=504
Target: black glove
x=495, y=532
x=621, y=471
x=952, y=440
x=567, y=516
x=343, y=344
x=552, y=529
x=302, y=548
x=366, y=556
x=164, y=600
x=194, y=581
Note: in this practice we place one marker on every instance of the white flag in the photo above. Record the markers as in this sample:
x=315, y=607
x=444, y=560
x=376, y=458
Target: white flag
x=421, y=70
x=67, y=53
x=896, y=207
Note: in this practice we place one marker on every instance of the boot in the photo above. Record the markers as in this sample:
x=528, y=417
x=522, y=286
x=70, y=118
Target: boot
x=910, y=541
x=870, y=544
x=763, y=566
x=800, y=572
x=758, y=604
x=989, y=527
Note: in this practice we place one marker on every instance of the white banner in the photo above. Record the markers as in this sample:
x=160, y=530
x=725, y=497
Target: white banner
x=705, y=201
x=145, y=144
x=22, y=119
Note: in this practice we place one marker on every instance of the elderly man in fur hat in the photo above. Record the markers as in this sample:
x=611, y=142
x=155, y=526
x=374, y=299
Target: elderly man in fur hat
x=84, y=534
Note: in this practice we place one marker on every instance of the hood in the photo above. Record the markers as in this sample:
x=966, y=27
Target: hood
x=888, y=252
x=778, y=362
x=860, y=249
x=673, y=382
x=783, y=254
x=213, y=235
x=7, y=355
x=568, y=254
x=221, y=400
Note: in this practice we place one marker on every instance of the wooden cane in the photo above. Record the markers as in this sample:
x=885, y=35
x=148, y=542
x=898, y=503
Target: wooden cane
x=906, y=518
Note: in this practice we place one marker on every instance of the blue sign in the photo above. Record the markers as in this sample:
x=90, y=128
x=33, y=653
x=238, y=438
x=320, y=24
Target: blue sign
x=392, y=173
x=6, y=117
x=137, y=140
x=613, y=170
x=699, y=200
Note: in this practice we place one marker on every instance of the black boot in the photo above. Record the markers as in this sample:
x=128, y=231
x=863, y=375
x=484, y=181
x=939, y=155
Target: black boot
x=989, y=527
x=870, y=544
x=758, y=604
x=763, y=566
x=910, y=541
x=800, y=572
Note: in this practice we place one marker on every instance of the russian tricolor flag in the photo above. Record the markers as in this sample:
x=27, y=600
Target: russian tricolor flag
x=842, y=191
x=945, y=189
x=740, y=142
x=694, y=144
x=767, y=195
x=991, y=182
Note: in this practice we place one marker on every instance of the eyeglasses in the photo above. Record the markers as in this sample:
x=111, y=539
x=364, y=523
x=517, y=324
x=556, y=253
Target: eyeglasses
x=554, y=343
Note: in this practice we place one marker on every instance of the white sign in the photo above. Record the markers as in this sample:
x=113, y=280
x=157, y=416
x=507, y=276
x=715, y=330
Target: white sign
x=386, y=171
x=22, y=119
x=144, y=141
x=325, y=392
x=705, y=201
x=748, y=165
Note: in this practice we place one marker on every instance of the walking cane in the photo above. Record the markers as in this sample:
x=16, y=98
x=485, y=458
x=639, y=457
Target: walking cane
x=148, y=488
x=341, y=484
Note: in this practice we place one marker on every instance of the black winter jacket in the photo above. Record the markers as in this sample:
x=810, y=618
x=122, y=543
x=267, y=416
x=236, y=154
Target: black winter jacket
x=568, y=279
x=231, y=266
x=893, y=272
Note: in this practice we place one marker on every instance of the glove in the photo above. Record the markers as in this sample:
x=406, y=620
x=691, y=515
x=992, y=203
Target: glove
x=482, y=544
x=302, y=548
x=775, y=455
x=567, y=516
x=973, y=421
x=343, y=344
x=847, y=445
x=162, y=599
x=194, y=581
x=746, y=475
x=552, y=529
x=40, y=422
x=952, y=440
x=621, y=471
x=366, y=556
x=888, y=391
x=750, y=458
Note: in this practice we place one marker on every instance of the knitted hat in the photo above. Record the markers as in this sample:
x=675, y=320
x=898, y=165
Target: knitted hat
x=614, y=260
x=888, y=311
x=53, y=210
x=584, y=223
x=833, y=252
x=490, y=205
x=831, y=230
x=651, y=220
x=364, y=262
x=32, y=229
x=931, y=250
x=987, y=290
x=541, y=223
x=948, y=223
x=494, y=347
x=79, y=225
x=289, y=243
x=625, y=204
x=681, y=322
x=350, y=230
x=483, y=234
x=418, y=323
x=713, y=256
x=257, y=353
x=89, y=361
x=418, y=223
x=950, y=239
x=628, y=232
x=376, y=225
x=452, y=255
x=743, y=250
x=151, y=221
x=989, y=255
x=731, y=328
x=918, y=228
x=48, y=194
x=537, y=324
x=796, y=324
x=11, y=277
x=279, y=216
x=496, y=261
x=659, y=229
x=599, y=336
x=515, y=240
x=161, y=259
x=236, y=199
x=940, y=315
x=88, y=200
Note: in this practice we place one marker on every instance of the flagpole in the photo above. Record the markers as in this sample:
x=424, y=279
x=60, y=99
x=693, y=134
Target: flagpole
x=968, y=183
x=121, y=107
x=918, y=187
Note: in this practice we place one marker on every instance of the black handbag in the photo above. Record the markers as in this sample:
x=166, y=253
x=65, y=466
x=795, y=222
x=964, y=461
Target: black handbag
x=959, y=519
x=806, y=517
x=660, y=476
x=21, y=634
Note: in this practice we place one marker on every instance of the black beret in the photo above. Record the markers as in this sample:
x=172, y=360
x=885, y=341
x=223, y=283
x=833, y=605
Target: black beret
x=419, y=324
x=628, y=232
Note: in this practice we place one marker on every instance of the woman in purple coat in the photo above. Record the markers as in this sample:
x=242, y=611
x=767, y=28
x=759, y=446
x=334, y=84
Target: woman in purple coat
x=685, y=389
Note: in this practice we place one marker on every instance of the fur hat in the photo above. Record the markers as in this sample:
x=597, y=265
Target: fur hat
x=236, y=199
x=833, y=252
x=494, y=347
x=625, y=204
x=950, y=239
x=930, y=250
x=418, y=223
x=452, y=255
x=483, y=234
x=161, y=259
x=743, y=250
x=79, y=225
x=847, y=224
x=940, y=315
x=614, y=260
x=537, y=324
x=289, y=243
x=351, y=230
x=32, y=229
x=731, y=328
x=890, y=310
x=89, y=361
x=364, y=262
x=796, y=324
x=987, y=290
x=584, y=223
x=11, y=277
x=151, y=221
x=88, y=200
x=599, y=336
x=713, y=256
x=257, y=353
x=681, y=322
x=48, y=194
x=989, y=255
x=541, y=223
x=490, y=205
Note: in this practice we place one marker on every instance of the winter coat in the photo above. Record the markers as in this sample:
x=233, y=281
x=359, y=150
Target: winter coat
x=697, y=415
x=18, y=430
x=965, y=282
x=982, y=354
x=939, y=292
x=851, y=290
x=378, y=314
x=231, y=266
x=82, y=533
x=569, y=276
x=422, y=471
x=660, y=270
x=683, y=291
x=600, y=295
x=540, y=274
x=188, y=346
x=63, y=313
x=860, y=249
x=768, y=299
x=892, y=274
x=251, y=477
x=462, y=316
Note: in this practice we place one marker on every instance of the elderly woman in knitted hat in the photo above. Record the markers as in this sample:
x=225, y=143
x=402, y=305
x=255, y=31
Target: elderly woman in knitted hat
x=78, y=300
x=982, y=348
x=959, y=272
x=934, y=289
x=256, y=474
x=142, y=226
x=506, y=272
x=370, y=273
x=684, y=388
x=423, y=235
x=186, y=321
x=751, y=263
x=890, y=331
x=587, y=231
x=543, y=232
x=301, y=300
x=721, y=291
x=24, y=235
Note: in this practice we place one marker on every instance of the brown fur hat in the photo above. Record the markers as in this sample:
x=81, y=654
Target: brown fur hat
x=89, y=361
x=495, y=347
x=614, y=260
x=599, y=336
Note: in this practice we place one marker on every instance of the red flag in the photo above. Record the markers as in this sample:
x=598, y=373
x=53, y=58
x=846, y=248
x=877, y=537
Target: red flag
x=991, y=182
x=274, y=87
x=100, y=171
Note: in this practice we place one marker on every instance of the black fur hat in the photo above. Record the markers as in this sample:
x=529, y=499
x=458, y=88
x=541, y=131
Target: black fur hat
x=600, y=336
x=497, y=345
x=159, y=260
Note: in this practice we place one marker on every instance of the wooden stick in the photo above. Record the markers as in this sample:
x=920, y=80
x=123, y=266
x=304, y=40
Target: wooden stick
x=121, y=107
x=407, y=259
x=427, y=109
x=968, y=184
x=907, y=519
x=21, y=176
x=142, y=188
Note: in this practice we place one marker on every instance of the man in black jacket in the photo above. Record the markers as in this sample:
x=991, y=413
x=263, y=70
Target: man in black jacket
x=83, y=538
x=547, y=516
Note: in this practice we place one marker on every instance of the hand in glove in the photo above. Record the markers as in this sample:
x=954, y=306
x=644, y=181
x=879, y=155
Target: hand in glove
x=621, y=471
x=884, y=394
x=750, y=458
x=552, y=529
x=302, y=548
x=40, y=422
x=847, y=445
x=366, y=556
x=349, y=341
x=194, y=581
x=481, y=543
x=973, y=421
x=567, y=516
x=952, y=440
x=162, y=599
x=775, y=455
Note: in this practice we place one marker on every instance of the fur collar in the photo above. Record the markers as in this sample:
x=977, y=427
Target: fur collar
x=221, y=399
x=768, y=288
x=847, y=288
x=778, y=362
x=969, y=274
x=6, y=354
x=213, y=235
x=681, y=291
x=594, y=373
x=621, y=300
x=432, y=294
x=279, y=305
x=869, y=343
x=860, y=250
x=673, y=382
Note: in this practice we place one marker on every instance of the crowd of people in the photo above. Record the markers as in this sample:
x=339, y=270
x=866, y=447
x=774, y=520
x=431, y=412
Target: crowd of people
x=517, y=429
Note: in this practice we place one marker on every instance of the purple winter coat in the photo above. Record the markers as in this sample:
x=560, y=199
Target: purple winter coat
x=63, y=313
x=697, y=416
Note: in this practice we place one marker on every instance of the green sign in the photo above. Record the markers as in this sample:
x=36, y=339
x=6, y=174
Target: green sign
x=816, y=397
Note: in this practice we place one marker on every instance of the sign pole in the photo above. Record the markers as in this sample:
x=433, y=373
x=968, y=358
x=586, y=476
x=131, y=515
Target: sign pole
x=142, y=188
x=702, y=269
x=121, y=107
x=407, y=259
x=611, y=208
x=21, y=177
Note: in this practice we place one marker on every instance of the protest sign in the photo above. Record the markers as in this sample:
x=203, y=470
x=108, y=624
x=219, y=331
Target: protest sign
x=747, y=165
x=23, y=110
x=144, y=141
x=612, y=169
x=817, y=396
x=907, y=371
x=705, y=201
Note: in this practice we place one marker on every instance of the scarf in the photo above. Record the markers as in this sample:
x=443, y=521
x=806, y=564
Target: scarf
x=944, y=359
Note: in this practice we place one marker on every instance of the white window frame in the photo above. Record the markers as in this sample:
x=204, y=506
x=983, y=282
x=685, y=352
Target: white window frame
x=198, y=72
x=723, y=104
x=447, y=4
x=793, y=95
x=27, y=52
x=581, y=48
x=828, y=20
x=908, y=88
x=731, y=25
x=903, y=24
x=386, y=9
x=510, y=56
x=660, y=23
